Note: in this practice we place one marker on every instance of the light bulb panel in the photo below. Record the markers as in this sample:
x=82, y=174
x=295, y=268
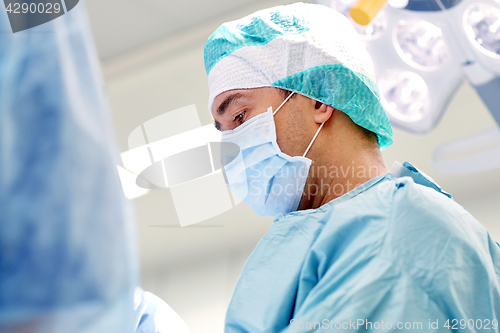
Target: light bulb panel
x=482, y=25
x=439, y=66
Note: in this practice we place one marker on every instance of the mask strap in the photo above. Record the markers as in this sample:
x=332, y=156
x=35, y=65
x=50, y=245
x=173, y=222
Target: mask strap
x=279, y=107
x=315, y=135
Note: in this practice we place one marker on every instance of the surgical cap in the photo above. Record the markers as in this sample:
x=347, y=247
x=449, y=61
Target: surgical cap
x=306, y=48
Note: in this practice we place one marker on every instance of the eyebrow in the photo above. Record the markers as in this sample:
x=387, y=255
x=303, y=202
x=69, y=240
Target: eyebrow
x=227, y=102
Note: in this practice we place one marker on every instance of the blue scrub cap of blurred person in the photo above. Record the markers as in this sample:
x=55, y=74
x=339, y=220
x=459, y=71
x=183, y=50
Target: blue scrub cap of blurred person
x=306, y=48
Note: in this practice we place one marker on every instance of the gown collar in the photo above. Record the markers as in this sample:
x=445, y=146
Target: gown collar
x=398, y=170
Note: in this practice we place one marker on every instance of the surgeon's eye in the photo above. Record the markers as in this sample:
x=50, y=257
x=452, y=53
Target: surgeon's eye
x=240, y=118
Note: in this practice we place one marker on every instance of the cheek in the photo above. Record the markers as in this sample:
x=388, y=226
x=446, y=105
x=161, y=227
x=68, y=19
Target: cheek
x=294, y=131
x=290, y=137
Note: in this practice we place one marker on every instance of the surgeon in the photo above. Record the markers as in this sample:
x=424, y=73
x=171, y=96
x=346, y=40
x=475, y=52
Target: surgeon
x=353, y=247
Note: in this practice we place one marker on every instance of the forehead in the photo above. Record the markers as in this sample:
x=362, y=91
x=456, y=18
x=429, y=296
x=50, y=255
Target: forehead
x=223, y=100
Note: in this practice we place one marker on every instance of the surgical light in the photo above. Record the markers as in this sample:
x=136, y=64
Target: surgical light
x=373, y=30
x=482, y=24
x=404, y=95
x=420, y=43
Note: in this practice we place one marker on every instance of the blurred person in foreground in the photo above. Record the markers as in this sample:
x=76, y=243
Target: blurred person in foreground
x=68, y=259
x=68, y=256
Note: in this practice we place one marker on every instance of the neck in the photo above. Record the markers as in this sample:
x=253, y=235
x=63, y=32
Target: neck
x=335, y=177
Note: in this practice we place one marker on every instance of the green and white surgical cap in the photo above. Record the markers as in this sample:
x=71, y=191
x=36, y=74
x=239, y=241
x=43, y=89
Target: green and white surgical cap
x=306, y=48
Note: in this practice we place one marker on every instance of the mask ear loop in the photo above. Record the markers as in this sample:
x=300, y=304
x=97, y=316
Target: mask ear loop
x=315, y=135
x=279, y=107
x=310, y=144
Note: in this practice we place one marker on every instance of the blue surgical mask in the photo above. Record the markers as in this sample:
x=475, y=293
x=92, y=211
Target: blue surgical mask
x=268, y=180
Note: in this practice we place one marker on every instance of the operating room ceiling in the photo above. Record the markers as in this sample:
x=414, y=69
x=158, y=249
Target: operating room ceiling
x=123, y=25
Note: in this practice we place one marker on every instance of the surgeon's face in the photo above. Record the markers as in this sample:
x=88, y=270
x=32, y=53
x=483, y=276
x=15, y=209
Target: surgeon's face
x=234, y=107
x=293, y=121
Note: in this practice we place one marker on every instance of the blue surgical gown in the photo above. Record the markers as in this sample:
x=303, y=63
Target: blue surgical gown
x=68, y=259
x=388, y=253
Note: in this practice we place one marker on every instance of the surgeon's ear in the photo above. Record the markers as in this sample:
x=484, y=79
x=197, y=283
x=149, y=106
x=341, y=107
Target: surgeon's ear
x=322, y=112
